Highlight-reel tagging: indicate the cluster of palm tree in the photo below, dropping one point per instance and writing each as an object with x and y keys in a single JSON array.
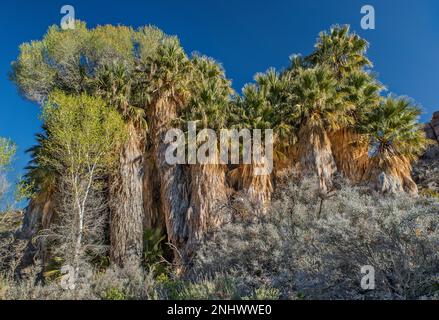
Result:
[
  {"x": 326, "y": 111},
  {"x": 328, "y": 115}
]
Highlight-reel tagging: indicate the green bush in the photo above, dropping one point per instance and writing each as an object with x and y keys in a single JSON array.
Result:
[
  {"x": 114, "y": 294},
  {"x": 264, "y": 293}
]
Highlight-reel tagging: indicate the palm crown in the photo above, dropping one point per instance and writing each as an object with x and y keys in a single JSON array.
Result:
[
  {"x": 394, "y": 129},
  {"x": 341, "y": 50},
  {"x": 210, "y": 94},
  {"x": 317, "y": 103}
]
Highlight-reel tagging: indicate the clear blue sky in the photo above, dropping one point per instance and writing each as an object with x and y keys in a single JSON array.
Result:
[{"x": 245, "y": 36}]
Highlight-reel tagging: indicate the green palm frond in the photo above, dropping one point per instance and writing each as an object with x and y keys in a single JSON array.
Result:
[
  {"x": 210, "y": 95},
  {"x": 317, "y": 101},
  {"x": 341, "y": 50},
  {"x": 394, "y": 129},
  {"x": 40, "y": 177}
]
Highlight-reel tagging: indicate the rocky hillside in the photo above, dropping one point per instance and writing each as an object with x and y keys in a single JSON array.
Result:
[
  {"x": 426, "y": 170},
  {"x": 432, "y": 128}
]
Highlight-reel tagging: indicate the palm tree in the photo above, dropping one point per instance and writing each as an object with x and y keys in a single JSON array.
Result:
[
  {"x": 276, "y": 88},
  {"x": 116, "y": 78},
  {"x": 349, "y": 146},
  {"x": 208, "y": 107},
  {"x": 168, "y": 72},
  {"x": 262, "y": 106},
  {"x": 342, "y": 51},
  {"x": 41, "y": 178},
  {"x": 114, "y": 83},
  {"x": 318, "y": 109},
  {"x": 40, "y": 181},
  {"x": 396, "y": 140}
]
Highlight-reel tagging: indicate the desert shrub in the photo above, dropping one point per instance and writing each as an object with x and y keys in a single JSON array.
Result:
[
  {"x": 131, "y": 282},
  {"x": 220, "y": 286},
  {"x": 264, "y": 293},
  {"x": 28, "y": 288},
  {"x": 309, "y": 246},
  {"x": 313, "y": 246},
  {"x": 429, "y": 193},
  {"x": 114, "y": 294},
  {"x": 396, "y": 235},
  {"x": 11, "y": 248},
  {"x": 3, "y": 288},
  {"x": 215, "y": 287}
]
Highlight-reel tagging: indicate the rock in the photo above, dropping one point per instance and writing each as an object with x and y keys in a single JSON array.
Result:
[
  {"x": 388, "y": 184},
  {"x": 426, "y": 169},
  {"x": 431, "y": 153},
  {"x": 432, "y": 128}
]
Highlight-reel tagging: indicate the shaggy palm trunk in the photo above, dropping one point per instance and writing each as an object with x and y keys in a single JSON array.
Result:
[
  {"x": 173, "y": 180},
  {"x": 315, "y": 155},
  {"x": 126, "y": 204},
  {"x": 286, "y": 166},
  {"x": 350, "y": 151},
  {"x": 255, "y": 180},
  {"x": 390, "y": 174},
  {"x": 208, "y": 196},
  {"x": 38, "y": 216},
  {"x": 258, "y": 188},
  {"x": 151, "y": 196}
]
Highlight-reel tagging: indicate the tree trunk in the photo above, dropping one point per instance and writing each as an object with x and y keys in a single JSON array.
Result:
[
  {"x": 257, "y": 188},
  {"x": 173, "y": 179},
  {"x": 390, "y": 174},
  {"x": 315, "y": 155},
  {"x": 350, "y": 151},
  {"x": 208, "y": 196},
  {"x": 38, "y": 216},
  {"x": 126, "y": 204},
  {"x": 151, "y": 196},
  {"x": 255, "y": 180}
]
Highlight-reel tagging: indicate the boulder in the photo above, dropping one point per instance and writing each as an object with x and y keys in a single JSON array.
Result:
[
  {"x": 426, "y": 170},
  {"x": 432, "y": 128}
]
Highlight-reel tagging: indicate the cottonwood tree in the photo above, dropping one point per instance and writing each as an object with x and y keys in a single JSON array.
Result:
[{"x": 83, "y": 133}]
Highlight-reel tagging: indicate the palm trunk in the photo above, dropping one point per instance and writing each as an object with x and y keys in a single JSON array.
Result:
[
  {"x": 38, "y": 216},
  {"x": 173, "y": 179},
  {"x": 315, "y": 155},
  {"x": 255, "y": 180},
  {"x": 208, "y": 195},
  {"x": 257, "y": 188},
  {"x": 126, "y": 204},
  {"x": 390, "y": 174},
  {"x": 350, "y": 151},
  {"x": 151, "y": 196}
]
